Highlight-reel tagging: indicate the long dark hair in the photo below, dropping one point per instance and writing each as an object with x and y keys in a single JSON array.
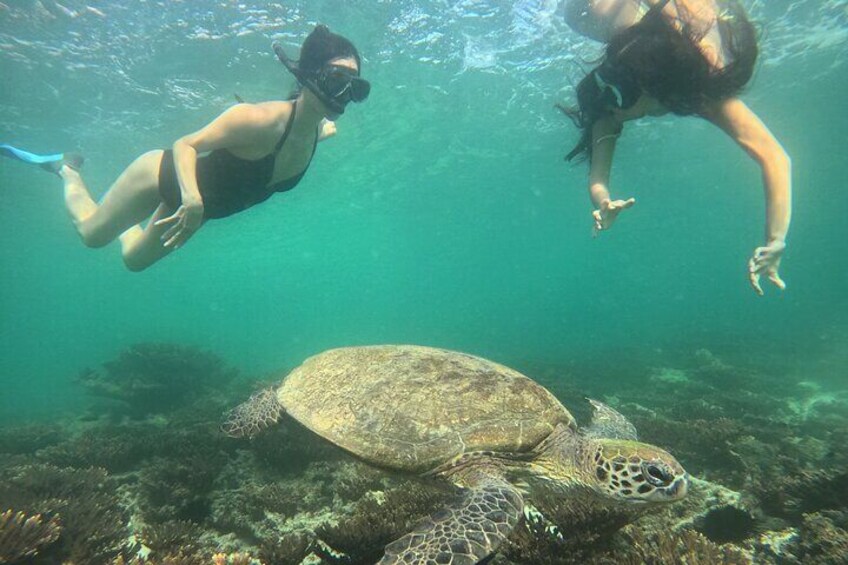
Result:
[
  {"x": 667, "y": 64},
  {"x": 320, "y": 47}
]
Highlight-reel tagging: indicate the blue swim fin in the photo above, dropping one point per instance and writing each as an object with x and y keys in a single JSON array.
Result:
[{"x": 50, "y": 163}]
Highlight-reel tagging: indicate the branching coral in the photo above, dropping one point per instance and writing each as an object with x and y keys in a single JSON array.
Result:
[
  {"x": 28, "y": 439},
  {"x": 585, "y": 524},
  {"x": 178, "y": 489},
  {"x": 634, "y": 546},
  {"x": 686, "y": 548},
  {"x": 178, "y": 558},
  {"x": 702, "y": 445},
  {"x": 152, "y": 378},
  {"x": 374, "y": 523},
  {"x": 171, "y": 537},
  {"x": 822, "y": 540},
  {"x": 290, "y": 549},
  {"x": 261, "y": 506},
  {"x": 116, "y": 449},
  {"x": 94, "y": 524},
  {"x": 23, "y": 536},
  {"x": 183, "y": 558},
  {"x": 789, "y": 495}
]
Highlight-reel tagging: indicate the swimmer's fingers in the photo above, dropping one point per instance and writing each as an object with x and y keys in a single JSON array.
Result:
[
  {"x": 179, "y": 239},
  {"x": 171, "y": 241},
  {"x": 764, "y": 263},
  {"x": 775, "y": 279},
  {"x": 175, "y": 217},
  {"x": 624, "y": 204},
  {"x": 754, "y": 278},
  {"x": 599, "y": 225},
  {"x": 173, "y": 232},
  {"x": 177, "y": 235},
  {"x": 761, "y": 256}
]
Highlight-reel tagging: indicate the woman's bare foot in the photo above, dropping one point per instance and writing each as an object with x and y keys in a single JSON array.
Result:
[{"x": 72, "y": 161}]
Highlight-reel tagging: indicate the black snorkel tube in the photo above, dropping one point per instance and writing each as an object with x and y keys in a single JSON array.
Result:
[{"x": 307, "y": 81}]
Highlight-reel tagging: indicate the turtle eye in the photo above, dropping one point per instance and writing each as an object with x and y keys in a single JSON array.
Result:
[{"x": 657, "y": 474}]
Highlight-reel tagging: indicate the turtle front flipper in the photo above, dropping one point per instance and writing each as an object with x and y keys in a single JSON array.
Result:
[
  {"x": 254, "y": 415},
  {"x": 609, "y": 423},
  {"x": 466, "y": 532}
]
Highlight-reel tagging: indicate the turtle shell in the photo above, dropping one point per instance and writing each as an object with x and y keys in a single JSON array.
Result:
[{"x": 414, "y": 408}]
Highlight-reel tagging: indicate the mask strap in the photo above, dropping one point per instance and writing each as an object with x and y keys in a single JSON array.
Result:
[
  {"x": 603, "y": 85},
  {"x": 305, "y": 80}
]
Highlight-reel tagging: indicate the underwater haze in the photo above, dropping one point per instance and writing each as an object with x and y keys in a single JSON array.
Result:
[{"x": 442, "y": 214}]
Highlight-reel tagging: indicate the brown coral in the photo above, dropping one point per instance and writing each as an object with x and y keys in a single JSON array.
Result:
[
  {"x": 362, "y": 536},
  {"x": 687, "y": 547},
  {"x": 23, "y": 536},
  {"x": 290, "y": 549},
  {"x": 29, "y": 439},
  {"x": 94, "y": 524},
  {"x": 171, "y": 536},
  {"x": 789, "y": 495},
  {"x": 150, "y": 378},
  {"x": 822, "y": 541}
]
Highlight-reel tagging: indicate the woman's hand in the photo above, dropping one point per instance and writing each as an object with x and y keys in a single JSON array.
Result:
[
  {"x": 766, "y": 261},
  {"x": 184, "y": 222},
  {"x": 328, "y": 129},
  {"x": 608, "y": 212}
]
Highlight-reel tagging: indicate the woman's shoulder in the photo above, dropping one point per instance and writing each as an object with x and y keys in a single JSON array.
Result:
[
  {"x": 274, "y": 109},
  {"x": 261, "y": 114}
]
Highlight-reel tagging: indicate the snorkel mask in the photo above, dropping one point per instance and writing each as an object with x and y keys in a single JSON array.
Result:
[{"x": 333, "y": 85}]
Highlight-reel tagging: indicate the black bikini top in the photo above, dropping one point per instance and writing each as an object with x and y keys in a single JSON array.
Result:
[
  {"x": 289, "y": 183},
  {"x": 230, "y": 184}
]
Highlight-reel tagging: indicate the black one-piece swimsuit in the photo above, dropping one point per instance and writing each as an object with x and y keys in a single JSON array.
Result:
[{"x": 229, "y": 184}]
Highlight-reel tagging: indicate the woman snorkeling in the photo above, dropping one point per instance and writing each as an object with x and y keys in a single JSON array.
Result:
[
  {"x": 689, "y": 57},
  {"x": 252, "y": 151}
]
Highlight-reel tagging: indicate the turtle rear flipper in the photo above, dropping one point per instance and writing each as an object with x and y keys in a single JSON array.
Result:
[
  {"x": 464, "y": 533},
  {"x": 254, "y": 415}
]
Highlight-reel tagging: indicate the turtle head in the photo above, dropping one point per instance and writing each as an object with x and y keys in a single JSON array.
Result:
[{"x": 631, "y": 471}]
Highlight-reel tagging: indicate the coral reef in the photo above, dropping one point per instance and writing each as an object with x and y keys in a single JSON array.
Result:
[
  {"x": 290, "y": 549},
  {"x": 377, "y": 521},
  {"x": 181, "y": 558},
  {"x": 116, "y": 449},
  {"x": 153, "y": 472},
  {"x": 823, "y": 539},
  {"x": 633, "y": 546},
  {"x": 154, "y": 378},
  {"x": 94, "y": 524},
  {"x": 790, "y": 495},
  {"x": 687, "y": 547},
  {"x": 177, "y": 489},
  {"x": 172, "y": 536},
  {"x": 29, "y": 439},
  {"x": 23, "y": 536}
]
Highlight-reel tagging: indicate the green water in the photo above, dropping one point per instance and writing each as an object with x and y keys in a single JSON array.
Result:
[{"x": 442, "y": 214}]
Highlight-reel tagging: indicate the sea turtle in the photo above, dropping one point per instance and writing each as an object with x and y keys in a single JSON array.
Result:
[{"x": 493, "y": 432}]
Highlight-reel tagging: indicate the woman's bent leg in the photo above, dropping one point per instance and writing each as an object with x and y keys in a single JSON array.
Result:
[{"x": 131, "y": 199}]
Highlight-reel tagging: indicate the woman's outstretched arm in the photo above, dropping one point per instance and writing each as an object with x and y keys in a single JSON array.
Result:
[
  {"x": 604, "y": 133},
  {"x": 743, "y": 125}
]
